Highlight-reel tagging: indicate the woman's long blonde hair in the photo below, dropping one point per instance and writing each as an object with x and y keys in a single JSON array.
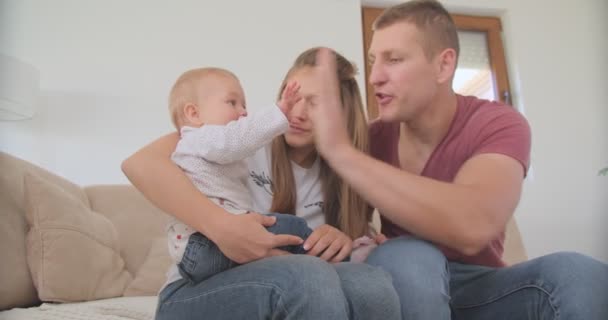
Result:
[{"x": 342, "y": 206}]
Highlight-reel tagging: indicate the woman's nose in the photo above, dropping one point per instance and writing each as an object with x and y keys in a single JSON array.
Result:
[{"x": 299, "y": 110}]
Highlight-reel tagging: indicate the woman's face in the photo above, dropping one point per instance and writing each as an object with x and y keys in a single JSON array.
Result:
[{"x": 299, "y": 135}]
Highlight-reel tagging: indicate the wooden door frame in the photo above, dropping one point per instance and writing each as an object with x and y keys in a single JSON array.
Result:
[
  {"x": 491, "y": 26},
  {"x": 498, "y": 65}
]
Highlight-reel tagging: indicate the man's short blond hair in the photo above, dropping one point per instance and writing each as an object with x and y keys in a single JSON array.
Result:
[
  {"x": 187, "y": 89},
  {"x": 430, "y": 17}
]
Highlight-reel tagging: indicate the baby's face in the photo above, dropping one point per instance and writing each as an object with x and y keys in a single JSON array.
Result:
[{"x": 223, "y": 100}]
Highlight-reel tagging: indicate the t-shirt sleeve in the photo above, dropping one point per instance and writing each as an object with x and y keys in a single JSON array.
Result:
[{"x": 504, "y": 131}]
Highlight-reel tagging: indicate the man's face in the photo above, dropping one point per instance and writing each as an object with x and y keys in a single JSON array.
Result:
[{"x": 403, "y": 78}]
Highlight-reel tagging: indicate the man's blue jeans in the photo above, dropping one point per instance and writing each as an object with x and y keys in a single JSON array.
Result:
[
  {"x": 557, "y": 286},
  {"x": 203, "y": 258},
  {"x": 284, "y": 287}
]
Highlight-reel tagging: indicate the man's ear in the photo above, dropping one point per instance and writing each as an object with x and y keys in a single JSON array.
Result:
[{"x": 446, "y": 63}]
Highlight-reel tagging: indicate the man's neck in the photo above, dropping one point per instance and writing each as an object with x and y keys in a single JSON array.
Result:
[
  {"x": 430, "y": 127},
  {"x": 419, "y": 137}
]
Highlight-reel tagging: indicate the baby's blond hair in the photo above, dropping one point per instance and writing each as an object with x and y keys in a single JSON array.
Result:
[{"x": 187, "y": 89}]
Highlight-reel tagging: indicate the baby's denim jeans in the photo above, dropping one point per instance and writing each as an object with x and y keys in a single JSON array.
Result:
[{"x": 203, "y": 259}]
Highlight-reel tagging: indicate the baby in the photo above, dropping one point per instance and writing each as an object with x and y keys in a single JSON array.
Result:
[{"x": 207, "y": 106}]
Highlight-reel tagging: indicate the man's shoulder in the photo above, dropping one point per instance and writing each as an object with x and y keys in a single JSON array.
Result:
[
  {"x": 483, "y": 125},
  {"x": 480, "y": 113},
  {"x": 478, "y": 106}
]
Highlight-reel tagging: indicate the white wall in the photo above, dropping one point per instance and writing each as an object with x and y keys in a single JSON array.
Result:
[
  {"x": 556, "y": 54},
  {"x": 106, "y": 67}
]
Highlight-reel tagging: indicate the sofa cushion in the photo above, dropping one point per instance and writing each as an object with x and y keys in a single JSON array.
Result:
[
  {"x": 16, "y": 286},
  {"x": 72, "y": 251},
  {"x": 137, "y": 221},
  {"x": 122, "y": 308},
  {"x": 152, "y": 274}
]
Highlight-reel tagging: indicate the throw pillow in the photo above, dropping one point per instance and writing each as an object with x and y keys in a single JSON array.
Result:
[
  {"x": 72, "y": 251},
  {"x": 152, "y": 274}
]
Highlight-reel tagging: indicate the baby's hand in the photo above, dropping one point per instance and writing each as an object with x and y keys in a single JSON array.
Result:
[
  {"x": 380, "y": 238},
  {"x": 289, "y": 97}
]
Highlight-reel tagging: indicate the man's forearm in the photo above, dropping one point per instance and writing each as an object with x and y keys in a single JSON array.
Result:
[{"x": 449, "y": 214}]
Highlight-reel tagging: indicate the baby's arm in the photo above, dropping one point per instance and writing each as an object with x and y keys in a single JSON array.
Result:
[
  {"x": 234, "y": 141},
  {"x": 239, "y": 139}
]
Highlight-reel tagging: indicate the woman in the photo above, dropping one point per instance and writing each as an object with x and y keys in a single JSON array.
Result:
[{"x": 286, "y": 177}]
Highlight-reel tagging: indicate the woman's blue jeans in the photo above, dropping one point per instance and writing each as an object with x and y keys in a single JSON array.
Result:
[
  {"x": 557, "y": 286},
  {"x": 284, "y": 287}
]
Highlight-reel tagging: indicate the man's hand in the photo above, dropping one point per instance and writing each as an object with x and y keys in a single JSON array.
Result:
[
  {"x": 244, "y": 238},
  {"x": 289, "y": 97},
  {"x": 329, "y": 243},
  {"x": 327, "y": 116}
]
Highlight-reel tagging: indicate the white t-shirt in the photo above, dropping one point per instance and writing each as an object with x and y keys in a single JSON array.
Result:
[{"x": 309, "y": 194}]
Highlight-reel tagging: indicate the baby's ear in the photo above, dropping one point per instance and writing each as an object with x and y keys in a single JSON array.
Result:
[
  {"x": 191, "y": 112},
  {"x": 190, "y": 109}
]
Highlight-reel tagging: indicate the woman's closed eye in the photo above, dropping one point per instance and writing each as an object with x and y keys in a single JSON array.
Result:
[
  {"x": 232, "y": 102},
  {"x": 312, "y": 100}
]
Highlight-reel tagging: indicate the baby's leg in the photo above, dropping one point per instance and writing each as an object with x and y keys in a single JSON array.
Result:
[
  {"x": 290, "y": 224},
  {"x": 202, "y": 259}
]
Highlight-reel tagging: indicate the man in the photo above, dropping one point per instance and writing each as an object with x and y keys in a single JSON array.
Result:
[{"x": 446, "y": 178}]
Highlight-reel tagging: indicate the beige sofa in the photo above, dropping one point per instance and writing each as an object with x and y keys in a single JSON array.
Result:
[
  {"x": 61, "y": 242},
  {"x": 78, "y": 244}
]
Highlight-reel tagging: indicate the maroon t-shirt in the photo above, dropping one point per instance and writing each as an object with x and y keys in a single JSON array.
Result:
[{"x": 479, "y": 126}]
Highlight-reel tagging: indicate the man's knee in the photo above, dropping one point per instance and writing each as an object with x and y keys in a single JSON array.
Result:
[
  {"x": 577, "y": 282},
  {"x": 405, "y": 253},
  {"x": 565, "y": 267},
  {"x": 419, "y": 272},
  {"x": 417, "y": 267}
]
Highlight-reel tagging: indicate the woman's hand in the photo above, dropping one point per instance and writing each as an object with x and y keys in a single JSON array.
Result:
[
  {"x": 243, "y": 238},
  {"x": 329, "y": 244}
]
